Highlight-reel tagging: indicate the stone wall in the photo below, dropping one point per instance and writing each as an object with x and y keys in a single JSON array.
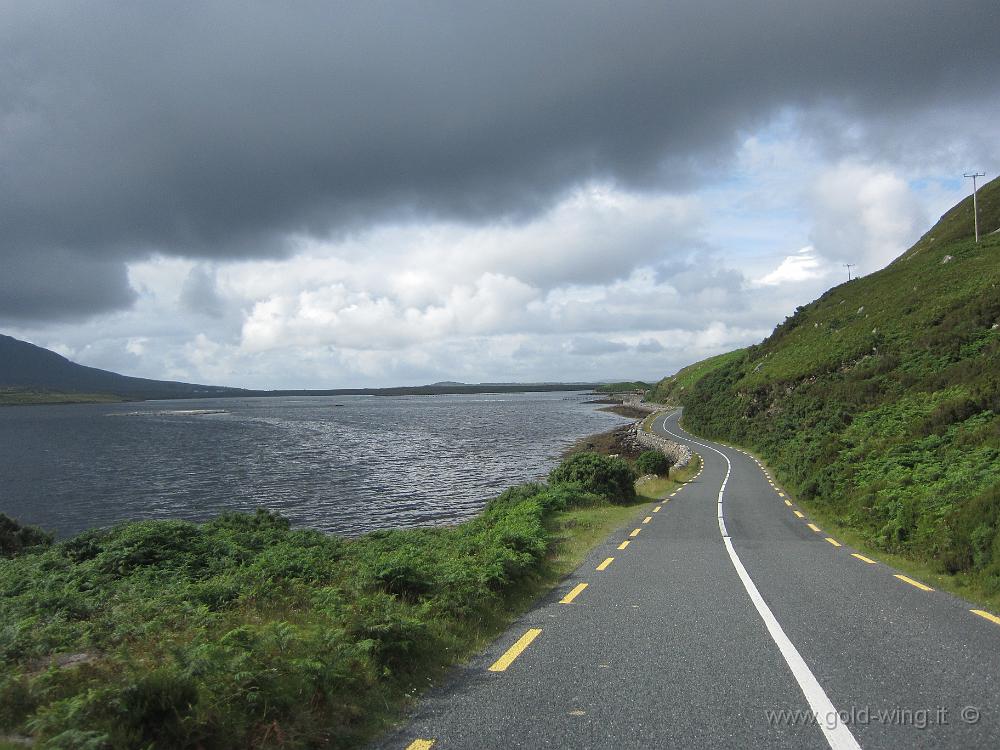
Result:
[{"x": 679, "y": 455}]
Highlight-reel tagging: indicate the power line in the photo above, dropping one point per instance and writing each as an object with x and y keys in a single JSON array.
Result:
[
  {"x": 849, "y": 266},
  {"x": 975, "y": 208}
]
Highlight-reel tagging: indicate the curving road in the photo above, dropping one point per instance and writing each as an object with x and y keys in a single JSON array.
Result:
[{"x": 725, "y": 618}]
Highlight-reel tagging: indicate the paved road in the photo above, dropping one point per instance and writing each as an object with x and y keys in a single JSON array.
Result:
[{"x": 755, "y": 630}]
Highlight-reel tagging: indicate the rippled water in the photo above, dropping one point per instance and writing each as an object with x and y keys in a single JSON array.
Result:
[{"x": 345, "y": 464}]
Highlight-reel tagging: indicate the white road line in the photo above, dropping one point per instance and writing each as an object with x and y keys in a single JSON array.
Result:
[{"x": 838, "y": 735}]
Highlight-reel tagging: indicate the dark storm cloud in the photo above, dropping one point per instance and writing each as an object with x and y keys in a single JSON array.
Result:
[
  {"x": 200, "y": 295},
  {"x": 218, "y": 129},
  {"x": 59, "y": 285}
]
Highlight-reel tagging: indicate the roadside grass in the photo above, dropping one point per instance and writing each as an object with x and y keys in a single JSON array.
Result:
[
  {"x": 878, "y": 405},
  {"x": 243, "y": 632},
  {"x": 647, "y": 423},
  {"x": 576, "y": 533},
  {"x": 958, "y": 584},
  {"x": 657, "y": 488}
]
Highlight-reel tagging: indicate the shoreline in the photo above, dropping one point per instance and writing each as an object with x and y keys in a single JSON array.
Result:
[
  {"x": 608, "y": 443},
  {"x": 397, "y": 628}
]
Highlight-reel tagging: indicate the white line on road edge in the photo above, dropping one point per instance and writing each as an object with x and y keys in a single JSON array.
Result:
[{"x": 827, "y": 717}]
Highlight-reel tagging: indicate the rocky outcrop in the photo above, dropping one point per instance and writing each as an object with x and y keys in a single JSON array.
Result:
[{"x": 636, "y": 402}]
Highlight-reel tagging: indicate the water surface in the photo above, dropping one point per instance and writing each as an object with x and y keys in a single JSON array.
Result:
[{"x": 346, "y": 464}]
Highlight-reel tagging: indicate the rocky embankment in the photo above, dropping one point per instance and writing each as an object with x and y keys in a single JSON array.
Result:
[
  {"x": 631, "y": 440},
  {"x": 639, "y": 440}
]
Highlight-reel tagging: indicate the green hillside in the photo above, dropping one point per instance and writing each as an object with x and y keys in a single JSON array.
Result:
[
  {"x": 623, "y": 387},
  {"x": 879, "y": 403},
  {"x": 673, "y": 388}
]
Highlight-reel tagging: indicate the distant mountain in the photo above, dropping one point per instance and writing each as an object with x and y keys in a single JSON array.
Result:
[{"x": 24, "y": 365}]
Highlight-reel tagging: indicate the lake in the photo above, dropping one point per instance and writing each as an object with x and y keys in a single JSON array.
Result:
[{"x": 344, "y": 464}]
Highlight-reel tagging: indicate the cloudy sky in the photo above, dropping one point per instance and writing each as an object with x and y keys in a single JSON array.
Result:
[{"x": 339, "y": 194}]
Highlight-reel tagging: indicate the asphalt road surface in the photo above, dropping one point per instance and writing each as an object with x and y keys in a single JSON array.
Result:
[{"x": 728, "y": 619}]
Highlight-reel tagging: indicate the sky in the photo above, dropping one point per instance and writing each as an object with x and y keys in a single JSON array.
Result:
[{"x": 323, "y": 195}]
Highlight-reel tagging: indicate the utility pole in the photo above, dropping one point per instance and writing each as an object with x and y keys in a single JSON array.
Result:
[
  {"x": 975, "y": 208},
  {"x": 849, "y": 266}
]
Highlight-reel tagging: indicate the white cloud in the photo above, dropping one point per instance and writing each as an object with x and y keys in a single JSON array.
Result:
[
  {"x": 607, "y": 284},
  {"x": 137, "y": 345},
  {"x": 802, "y": 266},
  {"x": 864, "y": 214}
]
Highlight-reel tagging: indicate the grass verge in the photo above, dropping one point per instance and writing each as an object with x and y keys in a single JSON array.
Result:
[
  {"x": 956, "y": 584},
  {"x": 243, "y": 632},
  {"x": 657, "y": 488},
  {"x": 929, "y": 573}
]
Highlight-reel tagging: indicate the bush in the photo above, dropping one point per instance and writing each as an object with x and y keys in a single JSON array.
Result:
[
  {"x": 602, "y": 475},
  {"x": 559, "y": 497},
  {"x": 243, "y": 632},
  {"x": 652, "y": 462},
  {"x": 15, "y": 538}
]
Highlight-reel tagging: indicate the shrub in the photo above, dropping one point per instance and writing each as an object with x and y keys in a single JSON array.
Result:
[
  {"x": 558, "y": 497},
  {"x": 15, "y": 538},
  {"x": 652, "y": 462},
  {"x": 243, "y": 632},
  {"x": 602, "y": 475}
]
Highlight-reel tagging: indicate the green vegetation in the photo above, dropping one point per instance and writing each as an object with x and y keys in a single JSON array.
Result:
[
  {"x": 27, "y": 397},
  {"x": 672, "y": 389},
  {"x": 878, "y": 404},
  {"x": 624, "y": 387},
  {"x": 16, "y": 538},
  {"x": 243, "y": 632},
  {"x": 610, "y": 477},
  {"x": 652, "y": 462},
  {"x": 658, "y": 487}
]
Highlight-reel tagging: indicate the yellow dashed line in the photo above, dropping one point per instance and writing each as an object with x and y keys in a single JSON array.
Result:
[
  {"x": 657, "y": 508},
  {"x": 635, "y": 533},
  {"x": 781, "y": 494},
  {"x": 624, "y": 544},
  {"x": 606, "y": 563},
  {"x": 799, "y": 513},
  {"x": 833, "y": 541},
  {"x": 987, "y": 615},
  {"x": 515, "y": 651},
  {"x": 573, "y": 594},
  {"x": 862, "y": 558},
  {"x": 918, "y": 584},
  {"x": 647, "y": 519},
  {"x": 420, "y": 745},
  {"x": 813, "y": 526},
  {"x": 788, "y": 503}
]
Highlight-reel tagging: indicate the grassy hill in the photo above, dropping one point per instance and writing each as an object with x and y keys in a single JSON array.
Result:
[
  {"x": 623, "y": 387},
  {"x": 27, "y": 368},
  {"x": 673, "y": 388},
  {"x": 879, "y": 403}
]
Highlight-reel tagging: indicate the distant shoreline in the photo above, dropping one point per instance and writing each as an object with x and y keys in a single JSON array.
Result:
[{"x": 17, "y": 396}]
